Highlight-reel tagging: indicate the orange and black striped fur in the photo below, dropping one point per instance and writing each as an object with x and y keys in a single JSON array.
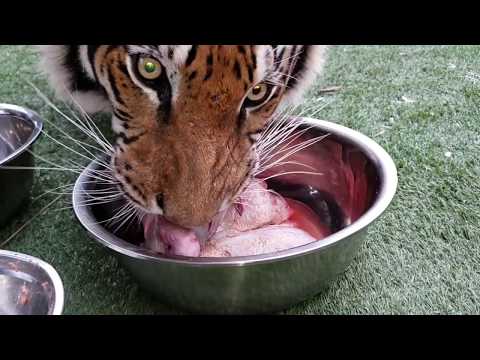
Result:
[{"x": 186, "y": 131}]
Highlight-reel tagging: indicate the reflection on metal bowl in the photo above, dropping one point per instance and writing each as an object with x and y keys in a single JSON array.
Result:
[
  {"x": 28, "y": 286},
  {"x": 19, "y": 129}
]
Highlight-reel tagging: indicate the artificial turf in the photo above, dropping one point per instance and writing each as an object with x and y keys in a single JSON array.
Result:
[{"x": 421, "y": 103}]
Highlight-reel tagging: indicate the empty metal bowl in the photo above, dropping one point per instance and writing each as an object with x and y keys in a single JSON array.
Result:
[
  {"x": 251, "y": 284},
  {"x": 19, "y": 129},
  {"x": 28, "y": 286}
]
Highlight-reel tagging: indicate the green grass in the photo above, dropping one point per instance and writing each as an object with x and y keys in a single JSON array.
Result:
[{"x": 422, "y": 257}]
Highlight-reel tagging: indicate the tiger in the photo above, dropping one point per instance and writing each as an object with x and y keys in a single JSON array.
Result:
[{"x": 186, "y": 118}]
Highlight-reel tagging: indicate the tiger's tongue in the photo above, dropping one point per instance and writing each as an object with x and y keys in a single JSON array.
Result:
[{"x": 164, "y": 237}]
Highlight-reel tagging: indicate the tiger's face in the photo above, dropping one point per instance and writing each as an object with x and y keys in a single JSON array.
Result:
[{"x": 187, "y": 118}]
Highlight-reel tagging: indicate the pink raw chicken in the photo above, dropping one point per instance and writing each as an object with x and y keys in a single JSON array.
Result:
[
  {"x": 262, "y": 225},
  {"x": 259, "y": 225},
  {"x": 257, "y": 207},
  {"x": 265, "y": 240}
]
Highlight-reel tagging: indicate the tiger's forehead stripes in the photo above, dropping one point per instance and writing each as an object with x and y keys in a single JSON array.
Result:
[
  {"x": 215, "y": 79},
  {"x": 171, "y": 56},
  {"x": 246, "y": 61}
]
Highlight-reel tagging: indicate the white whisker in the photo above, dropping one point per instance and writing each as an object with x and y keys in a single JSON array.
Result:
[
  {"x": 292, "y": 173},
  {"x": 94, "y": 129},
  {"x": 107, "y": 147}
]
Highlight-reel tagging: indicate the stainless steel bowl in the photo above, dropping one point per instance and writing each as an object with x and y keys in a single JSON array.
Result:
[
  {"x": 19, "y": 129},
  {"x": 28, "y": 286},
  {"x": 252, "y": 284}
]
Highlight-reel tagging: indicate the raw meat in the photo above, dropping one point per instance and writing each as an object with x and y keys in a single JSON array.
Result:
[
  {"x": 263, "y": 222},
  {"x": 257, "y": 207},
  {"x": 265, "y": 240}
]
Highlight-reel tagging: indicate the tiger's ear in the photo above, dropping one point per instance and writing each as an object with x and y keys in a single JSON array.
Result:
[
  {"x": 301, "y": 64},
  {"x": 70, "y": 74}
]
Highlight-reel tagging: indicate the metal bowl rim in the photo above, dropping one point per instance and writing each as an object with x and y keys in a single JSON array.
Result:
[
  {"x": 15, "y": 110},
  {"x": 53, "y": 275},
  {"x": 387, "y": 172}
]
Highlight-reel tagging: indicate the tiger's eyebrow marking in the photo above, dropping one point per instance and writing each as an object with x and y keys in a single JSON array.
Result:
[
  {"x": 254, "y": 56},
  {"x": 237, "y": 70},
  {"x": 209, "y": 67},
  {"x": 191, "y": 55},
  {"x": 250, "y": 73}
]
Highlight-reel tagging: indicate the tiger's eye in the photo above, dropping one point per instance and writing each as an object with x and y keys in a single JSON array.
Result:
[
  {"x": 256, "y": 90},
  {"x": 149, "y": 68},
  {"x": 258, "y": 93}
]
